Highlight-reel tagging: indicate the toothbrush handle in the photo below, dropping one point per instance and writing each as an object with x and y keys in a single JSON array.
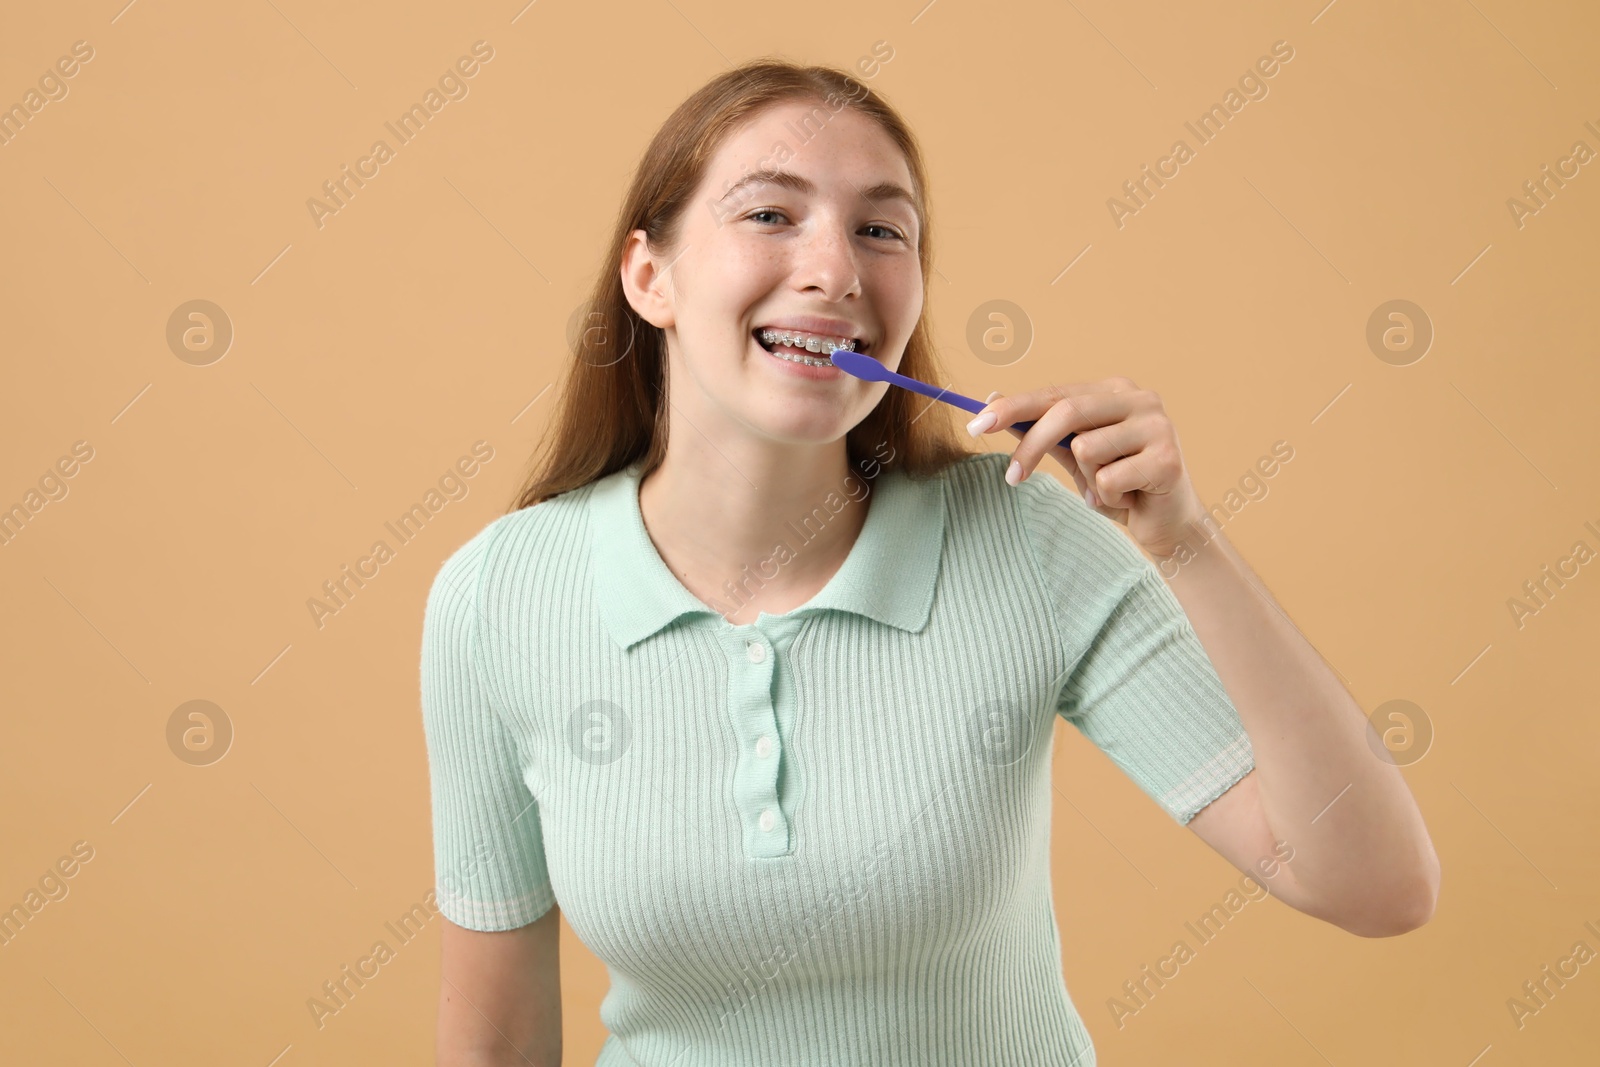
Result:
[
  {"x": 1065, "y": 442},
  {"x": 965, "y": 403}
]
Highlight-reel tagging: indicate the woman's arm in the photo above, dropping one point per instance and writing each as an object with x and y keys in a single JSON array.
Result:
[
  {"x": 1363, "y": 859},
  {"x": 500, "y": 997}
]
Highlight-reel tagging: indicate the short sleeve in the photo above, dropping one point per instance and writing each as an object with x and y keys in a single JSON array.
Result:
[
  {"x": 488, "y": 845},
  {"x": 1140, "y": 685}
]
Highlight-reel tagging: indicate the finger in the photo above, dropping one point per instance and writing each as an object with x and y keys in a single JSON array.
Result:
[
  {"x": 1120, "y": 459},
  {"x": 1063, "y": 456},
  {"x": 1090, "y": 464},
  {"x": 1137, "y": 473},
  {"x": 1023, "y": 407},
  {"x": 1069, "y": 461},
  {"x": 1075, "y": 414}
]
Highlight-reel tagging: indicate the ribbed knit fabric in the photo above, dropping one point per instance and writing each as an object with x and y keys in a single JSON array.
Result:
[{"x": 821, "y": 837}]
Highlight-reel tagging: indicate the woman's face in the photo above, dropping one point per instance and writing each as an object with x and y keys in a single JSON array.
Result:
[{"x": 829, "y": 239}]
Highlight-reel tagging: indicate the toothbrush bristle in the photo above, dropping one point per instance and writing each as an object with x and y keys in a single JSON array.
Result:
[{"x": 858, "y": 365}]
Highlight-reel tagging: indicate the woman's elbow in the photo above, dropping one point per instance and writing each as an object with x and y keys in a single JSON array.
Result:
[{"x": 1403, "y": 909}]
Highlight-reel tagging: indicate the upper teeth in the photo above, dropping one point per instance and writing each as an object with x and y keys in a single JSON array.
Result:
[{"x": 811, "y": 342}]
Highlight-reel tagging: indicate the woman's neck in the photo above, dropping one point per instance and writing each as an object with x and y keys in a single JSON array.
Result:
[{"x": 749, "y": 533}]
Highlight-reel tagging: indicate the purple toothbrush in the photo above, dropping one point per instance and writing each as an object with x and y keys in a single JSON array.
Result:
[{"x": 868, "y": 369}]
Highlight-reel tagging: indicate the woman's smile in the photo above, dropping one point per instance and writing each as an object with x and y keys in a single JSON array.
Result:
[
  {"x": 807, "y": 345},
  {"x": 796, "y": 363}
]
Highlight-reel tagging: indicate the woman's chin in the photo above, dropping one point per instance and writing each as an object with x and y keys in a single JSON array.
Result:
[{"x": 789, "y": 427}]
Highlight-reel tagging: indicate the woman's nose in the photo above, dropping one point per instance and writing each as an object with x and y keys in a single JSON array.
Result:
[{"x": 827, "y": 261}]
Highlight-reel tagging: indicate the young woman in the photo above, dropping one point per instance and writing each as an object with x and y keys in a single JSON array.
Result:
[{"x": 757, "y": 679}]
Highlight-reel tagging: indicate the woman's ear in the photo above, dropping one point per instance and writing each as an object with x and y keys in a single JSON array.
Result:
[{"x": 648, "y": 289}]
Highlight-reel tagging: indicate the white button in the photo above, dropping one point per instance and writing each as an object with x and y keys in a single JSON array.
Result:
[
  {"x": 766, "y": 819},
  {"x": 764, "y": 747},
  {"x": 757, "y": 651}
]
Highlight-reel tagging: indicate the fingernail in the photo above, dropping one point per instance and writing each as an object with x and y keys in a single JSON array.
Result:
[
  {"x": 990, "y": 398},
  {"x": 1014, "y": 473},
  {"x": 1090, "y": 499},
  {"x": 981, "y": 423}
]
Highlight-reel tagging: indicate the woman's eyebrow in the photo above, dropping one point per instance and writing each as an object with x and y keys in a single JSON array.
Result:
[{"x": 790, "y": 180}]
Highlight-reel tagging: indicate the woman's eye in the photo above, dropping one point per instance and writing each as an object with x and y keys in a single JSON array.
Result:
[{"x": 756, "y": 216}]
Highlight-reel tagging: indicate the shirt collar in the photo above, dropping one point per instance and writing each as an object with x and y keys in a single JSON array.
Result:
[{"x": 889, "y": 575}]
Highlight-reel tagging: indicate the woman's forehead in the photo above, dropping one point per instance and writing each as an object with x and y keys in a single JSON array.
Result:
[
  {"x": 850, "y": 153},
  {"x": 803, "y": 137}
]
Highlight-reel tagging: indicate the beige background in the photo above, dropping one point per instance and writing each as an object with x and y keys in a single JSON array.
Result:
[{"x": 427, "y": 314}]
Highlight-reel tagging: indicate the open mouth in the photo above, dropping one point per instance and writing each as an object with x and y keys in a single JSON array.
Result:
[{"x": 807, "y": 349}]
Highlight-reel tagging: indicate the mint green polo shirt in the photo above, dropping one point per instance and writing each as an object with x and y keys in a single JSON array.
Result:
[{"x": 820, "y": 837}]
